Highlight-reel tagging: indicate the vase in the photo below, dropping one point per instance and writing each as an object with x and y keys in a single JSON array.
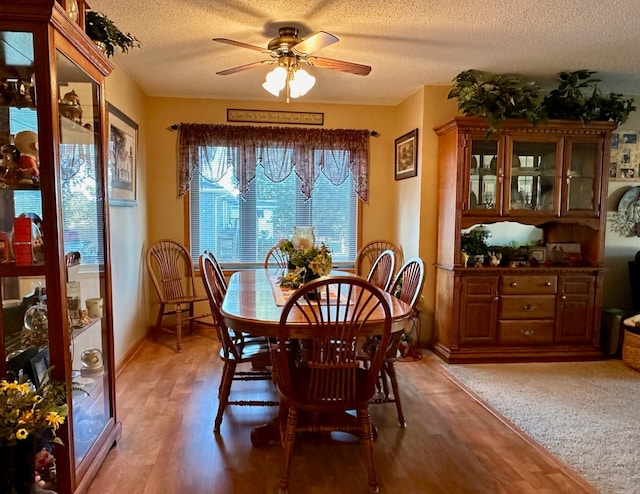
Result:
[
  {"x": 303, "y": 237},
  {"x": 17, "y": 467},
  {"x": 307, "y": 276}
]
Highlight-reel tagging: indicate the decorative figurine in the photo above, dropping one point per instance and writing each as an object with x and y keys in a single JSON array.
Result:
[
  {"x": 27, "y": 171},
  {"x": 70, "y": 107},
  {"x": 10, "y": 155}
]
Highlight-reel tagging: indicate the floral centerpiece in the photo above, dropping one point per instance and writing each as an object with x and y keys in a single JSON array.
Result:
[
  {"x": 306, "y": 263},
  {"x": 28, "y": 412}
]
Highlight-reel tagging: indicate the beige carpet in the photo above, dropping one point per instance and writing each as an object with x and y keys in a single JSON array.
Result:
[{"x": 585, "y": 413}]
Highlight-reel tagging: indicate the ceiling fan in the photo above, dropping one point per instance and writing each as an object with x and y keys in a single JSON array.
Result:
[{"x": 289, "y": 51}]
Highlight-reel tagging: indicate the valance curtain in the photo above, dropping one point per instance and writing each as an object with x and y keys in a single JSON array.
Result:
[{"x": 212, "y": 150}]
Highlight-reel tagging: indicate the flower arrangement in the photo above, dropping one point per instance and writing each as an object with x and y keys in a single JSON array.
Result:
[
  {"x": 307, "y": 263},
  {"x": 25, "y": 411}
]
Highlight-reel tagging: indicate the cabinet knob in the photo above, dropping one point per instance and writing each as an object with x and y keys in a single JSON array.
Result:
[
  {"x": 529, "y": 307},
  {"x": 527, "y": 332},
  {"x": 563, "y": 297},
  {"x": 548, "y": 283},
  {"x": 513, "y": 284}
]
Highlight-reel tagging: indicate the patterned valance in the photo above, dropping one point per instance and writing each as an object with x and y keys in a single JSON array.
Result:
[{"x": 212, "y": 150}]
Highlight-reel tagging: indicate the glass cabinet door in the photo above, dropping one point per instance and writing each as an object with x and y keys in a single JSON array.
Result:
[
  {"x": 81, "y": 184},
  {"x": 581, "y": 181},
  {"x": 532, "y": 176},
  {"x": 24, "y": 322},
  {"x": 483, "y": 194}
]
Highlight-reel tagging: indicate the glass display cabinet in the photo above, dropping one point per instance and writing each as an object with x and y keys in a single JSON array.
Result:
[
  {"x": 55, "y": 283},
  {"x": 547, "y": 304}
]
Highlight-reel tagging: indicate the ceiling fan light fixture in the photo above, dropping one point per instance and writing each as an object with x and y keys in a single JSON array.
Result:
[
  {"x": 300, "y": 84},
  {"x": 275, "y": 81}
]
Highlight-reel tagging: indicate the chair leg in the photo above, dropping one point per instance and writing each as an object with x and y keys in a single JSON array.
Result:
[
  {"x": 390, "y": 369},
  {"x": 287, "y": 444},
  {"x": 225, "y": 389},
  {"x": 367, "y": 442},
  {"x": 158, "y": 326},
  {"x": 179, "y": 327},
  {"x": 191, "y": 318}
]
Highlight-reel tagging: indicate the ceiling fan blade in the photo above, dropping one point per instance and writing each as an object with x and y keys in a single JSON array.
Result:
[
  {"x": 240, "y": 44},
  {"x": 330, "y": 63},
  {"x": 248, "y": 66},
  {"x": 314, "y": 43}
]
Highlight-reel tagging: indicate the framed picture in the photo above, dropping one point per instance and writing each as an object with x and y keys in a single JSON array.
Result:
[
  {"x": 624, "y": 163},
  {"x": 406, "y": 157},
  {"x": 39, "y": 365},
  {"x": 123, "y": 158},
  {"x": 538, "y": 253}
]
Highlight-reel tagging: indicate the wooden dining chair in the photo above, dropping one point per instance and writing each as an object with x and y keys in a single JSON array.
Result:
[
  {"x": 367, "y": 255},
  {"x": 234, "y": 351},
  {"x": 407, "y": 286},
  {"x": 275, "y": 258},
  {"x": 382, "y": 270},
  {"x": 171, "y": 272},
  {"x": 335, "y": 311},
  {"x": 218, "y": 269}
]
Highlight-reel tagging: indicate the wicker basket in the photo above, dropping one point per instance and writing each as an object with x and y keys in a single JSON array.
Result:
[{"x": 631, "y": 344}]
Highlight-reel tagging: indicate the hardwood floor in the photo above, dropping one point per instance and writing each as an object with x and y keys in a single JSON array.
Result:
[{"x": 452, "y": 444}]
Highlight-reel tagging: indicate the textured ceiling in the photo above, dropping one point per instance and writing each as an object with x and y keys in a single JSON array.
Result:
[{"x": 408, "y": 44}]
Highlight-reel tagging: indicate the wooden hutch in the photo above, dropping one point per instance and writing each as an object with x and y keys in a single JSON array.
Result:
[
  {"x": 550, "y": 176},
  {"x": 56, "y": 255}
]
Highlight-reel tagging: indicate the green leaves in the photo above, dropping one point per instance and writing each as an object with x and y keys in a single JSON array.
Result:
[
  {"x": 500, "y": 97},
  {"x": 495, "y": 98}
]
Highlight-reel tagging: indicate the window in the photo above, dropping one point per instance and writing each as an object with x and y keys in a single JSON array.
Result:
[{"x": 240, "y": 231}]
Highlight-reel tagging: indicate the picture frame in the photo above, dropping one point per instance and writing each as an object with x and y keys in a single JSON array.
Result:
[
  {"x": 123, "y": 158},
  {"x": 624, "y": 163},
  {"x": 406, "y": 155},
  {"x": 39, "y": 366},
  {"x": 538, "y": 253}
]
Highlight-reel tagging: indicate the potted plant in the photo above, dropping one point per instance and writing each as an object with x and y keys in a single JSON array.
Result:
[
  {"x": 495, "y": 97},
  {"x": 106, "y": 34},
  {"x": 500, "y": 97},
  {"x": 578, "y": 97}
]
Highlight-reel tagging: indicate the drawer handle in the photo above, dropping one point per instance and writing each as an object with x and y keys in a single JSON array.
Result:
[
  {"x": 529, "y": 307},
  {"x": 513, "y": 284},
  {"x": 527, "y": 332},
  {"x": 548, "y": 283}
]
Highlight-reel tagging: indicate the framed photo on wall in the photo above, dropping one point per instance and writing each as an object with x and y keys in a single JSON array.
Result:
[
  {"x": 406, "y": 155},
  {"x": 123, "y": 158}
]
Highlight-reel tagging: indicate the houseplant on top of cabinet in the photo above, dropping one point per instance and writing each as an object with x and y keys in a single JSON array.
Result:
[
  {"x": 494, "y": 97},
  {"x": 106, "y": 34},
  {"x": 500, "y": 97}
]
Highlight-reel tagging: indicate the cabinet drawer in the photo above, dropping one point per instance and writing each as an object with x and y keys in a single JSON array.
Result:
[
  {"x": 525, "y": 332},
  {"x": 521, "y": 285},
  {"x": 527, "y": 307}
]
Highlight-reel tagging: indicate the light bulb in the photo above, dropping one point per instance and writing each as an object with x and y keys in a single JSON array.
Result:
[
  {"x": 301, "y": 83},
  {"x": 275, "y": 80}
]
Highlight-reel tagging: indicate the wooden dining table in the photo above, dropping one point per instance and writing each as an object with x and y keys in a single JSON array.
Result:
[{"x": 250, "y": 306}]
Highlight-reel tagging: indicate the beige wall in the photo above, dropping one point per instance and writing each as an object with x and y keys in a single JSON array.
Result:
[
  {"x": 129, "y": 229},
  {"x": 404, "y": 211},
  {"x": 166, "y": 214}
]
